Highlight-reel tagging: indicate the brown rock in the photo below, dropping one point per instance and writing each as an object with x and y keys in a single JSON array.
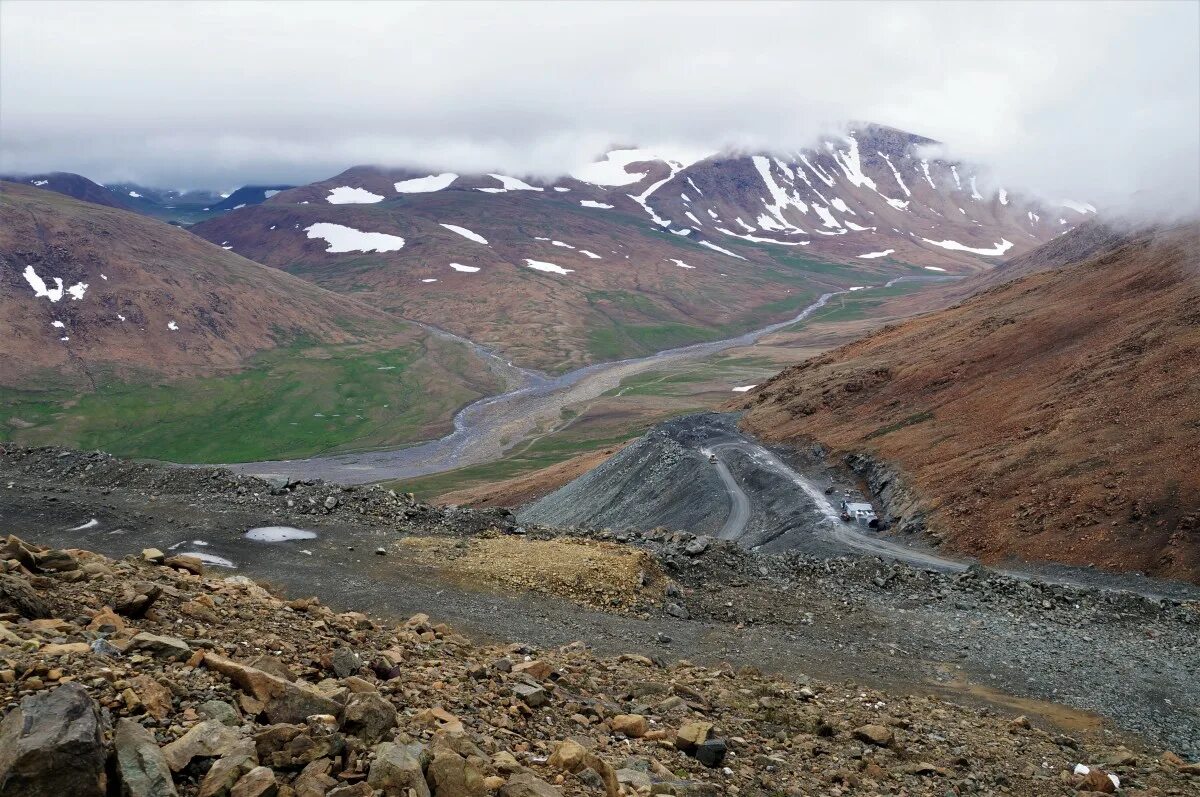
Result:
[
  {"x": 155, "y": 697},
  {"x": 272, "y": 666},
  {"x": 527, "y": 785},
  {"x": 55, "y": 561},
  {"x": 360, "y": 789},
  {"x": 437, "y": 717},
  {"x": 369, "y": 716},
  {"x": 282, "y": 700},
  {"x": 691, "y": 734},
  {"x": 106, "y": 621},
  {"x": 65, "y": 649},
  {"x": 208, "y": 739},
  {"x": 874, "y": 734},
  {"x": 314, "y": 780},
  {"x": 536, "y": 669},
  {"x": 634, "y": 726},
  {"x": 228, "y": 770},
  {"x": 453, "y": 775},
  {"x": 607, "y": 774},
  {"x": 258, "y": 782},
  {"x": 397, "y": 770},
  {"x": 1097, "y": 780},
  {"x": 568, "y": 756},
  {"x": 136, "y": 600},
  {"x": 184, "y": 562}
]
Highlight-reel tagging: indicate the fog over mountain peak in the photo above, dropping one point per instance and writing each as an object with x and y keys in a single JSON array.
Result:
[{"x": 539, "y": 90}]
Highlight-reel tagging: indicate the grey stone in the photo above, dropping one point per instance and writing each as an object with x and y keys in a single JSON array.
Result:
[
  {"x": 533, "y": 696},
  {"x": 167, "y": 647},
  {"x": 368, "y": 716},
  {"x": 711, "y": 752},
  {"x": 52, "y": 743},
  {"x": 398, "y": 770},
  {"x": 228, "y": 770},
  {"x": 675, "y": 610},
  {"x": 346, "y": 662},
  {"x": 141, "y": 767},
  {"x": 17, "y": 596},
  {"x": 221, "y": 711}
]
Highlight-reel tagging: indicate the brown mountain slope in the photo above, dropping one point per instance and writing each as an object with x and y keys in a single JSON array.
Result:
[
  {"x": 124, "y": 333},
  {"x": 1054, "y": 417},
  {"x": 154, "y": 298}
]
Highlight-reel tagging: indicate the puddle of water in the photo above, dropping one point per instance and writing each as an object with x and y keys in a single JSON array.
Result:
[
  {"x": 1065, "y": 717},
  {"x": 279, "y": 534},
  {"x": 91, "y": 524},
  {"x": 210, "y": 559}
]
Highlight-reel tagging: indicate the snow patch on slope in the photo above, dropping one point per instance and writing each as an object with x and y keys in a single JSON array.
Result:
[
  {"x": 345, "y": 195},
  {"x": 465, "y": 233},
  {"x": 347, "y": 239},
  {"x": 425, "y": 185},
  {"x": 716, "y": 248},
  {"x": 541, "y": 265},
  {"x": 995, "y": 251}
]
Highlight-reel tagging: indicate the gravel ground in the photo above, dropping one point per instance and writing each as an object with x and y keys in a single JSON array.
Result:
[{"x": 979, "y": 635}]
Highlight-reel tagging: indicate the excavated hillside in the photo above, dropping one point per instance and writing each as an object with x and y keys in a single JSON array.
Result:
[{"x": 1052, "y": 417}]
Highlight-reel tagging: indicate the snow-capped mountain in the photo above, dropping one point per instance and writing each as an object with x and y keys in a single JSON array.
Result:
[{"x": 639, "y": 250}]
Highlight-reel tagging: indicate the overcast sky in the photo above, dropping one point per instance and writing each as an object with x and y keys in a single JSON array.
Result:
[{"x": 1096, "y": 101}]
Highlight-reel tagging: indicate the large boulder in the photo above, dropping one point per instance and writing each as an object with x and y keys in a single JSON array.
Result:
[
  {"x": 228, "y": 770},
  {"x": 397, "y": 770},
  {"x": 455, "y": 770},
  {"x": 527, "y": 785},
  {"x": 141, "y": 767},
  {"x": 258, "y": 782},
  {"x": 208, "y": 739},
  {"x": 52, "y": 743},
  {"x": 369, "y": 716},
  {"x": 17, "y": 596},
  {"x": 163, "y": 647},
  {"x": 283, "y": 701}
]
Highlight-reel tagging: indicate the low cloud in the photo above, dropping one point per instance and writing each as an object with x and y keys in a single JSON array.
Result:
[{"x": 1099, "y": 106}]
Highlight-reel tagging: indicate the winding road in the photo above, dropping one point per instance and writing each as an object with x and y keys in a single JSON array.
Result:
[{"x": 833, "y": 528}]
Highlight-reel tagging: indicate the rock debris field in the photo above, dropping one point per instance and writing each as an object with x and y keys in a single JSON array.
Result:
[{"x": 703, "y": 669}]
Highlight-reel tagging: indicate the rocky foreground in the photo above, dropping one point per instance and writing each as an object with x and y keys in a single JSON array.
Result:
[{"x": 147, "y": 677}]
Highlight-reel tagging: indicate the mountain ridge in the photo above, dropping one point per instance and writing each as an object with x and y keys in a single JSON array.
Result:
[{"x": 1041, "y": 417}]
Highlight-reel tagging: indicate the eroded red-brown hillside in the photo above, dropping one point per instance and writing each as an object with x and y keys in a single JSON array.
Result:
[{"x": 1053, "y": 417}]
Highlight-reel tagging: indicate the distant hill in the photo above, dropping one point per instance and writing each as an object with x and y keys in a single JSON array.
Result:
[
  {"x": 180, "y": 207},
  {"x": 75, "y": 186},
  {"x": 249, "y": 195},
  {"x": 96, "y": 300},
  {"x": 1051, "y": 417}
]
